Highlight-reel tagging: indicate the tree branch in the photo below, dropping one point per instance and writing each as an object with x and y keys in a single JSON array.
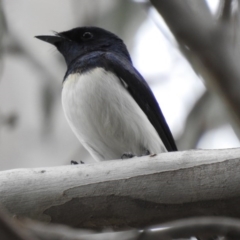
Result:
[
  {"x": 203, "y": 228},
  {"x": 45, "y": 231},
  {"x": 215, "y": 57},
  {"x": 130, "y": 193},
  {"x": 225, "y": 10},
  {"x": 10, "y": 231}
]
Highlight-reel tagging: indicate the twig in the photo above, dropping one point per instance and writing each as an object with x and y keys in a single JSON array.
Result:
[{"x": 203, "y": 227}]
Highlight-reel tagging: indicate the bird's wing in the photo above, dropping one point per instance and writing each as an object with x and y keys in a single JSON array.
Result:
[{"x": 142, "y": 94}]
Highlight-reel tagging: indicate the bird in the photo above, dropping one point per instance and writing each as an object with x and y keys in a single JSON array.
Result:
[{"x": 106, "y": 101}]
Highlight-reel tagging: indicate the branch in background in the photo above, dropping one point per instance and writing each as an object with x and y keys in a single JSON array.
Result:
[
  {"x": 49, "y": 88},
  {"x": 133, "y": 193},
  {"x": 207, "y": 113},
  {"x": 2, "y": 32},
  {"x": 10, "y": 231},
  {"x": 228, "y": 14},
  {"x": 203, "y": 228},
  {"x": 45, "y": 231},
  {"x": 225, "y": 10},
  {"x": 215, "y": 57}
]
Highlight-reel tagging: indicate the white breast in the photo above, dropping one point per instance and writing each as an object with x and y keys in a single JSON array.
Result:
[{"x": 105, "y": 118}]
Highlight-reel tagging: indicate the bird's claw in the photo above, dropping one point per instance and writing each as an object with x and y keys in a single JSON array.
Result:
[{"x": 127, "y": 155}]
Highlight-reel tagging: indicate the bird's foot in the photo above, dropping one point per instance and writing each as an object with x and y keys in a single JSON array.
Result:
[
  {"x": 127, "y": 155},
  {"x": 147, "y": 152},
  {"x": 75, "y": 162}
]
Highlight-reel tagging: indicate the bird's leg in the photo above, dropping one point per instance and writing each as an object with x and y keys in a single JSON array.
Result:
[
  {"x": 127, "y": 155},
  {"x": 146, "y": 152},
  {"x": 75, "y": 162}
]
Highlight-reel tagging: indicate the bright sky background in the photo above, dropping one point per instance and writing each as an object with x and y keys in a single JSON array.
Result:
[
  {"x": 176, "y": 87},
  {"x": 156, "y": 56}
]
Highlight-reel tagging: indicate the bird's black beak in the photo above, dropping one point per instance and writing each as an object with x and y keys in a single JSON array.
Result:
[{"x": 50, "y": 39}]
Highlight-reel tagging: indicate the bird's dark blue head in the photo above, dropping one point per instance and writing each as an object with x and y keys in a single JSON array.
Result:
[{"x": 83, "y": 40}]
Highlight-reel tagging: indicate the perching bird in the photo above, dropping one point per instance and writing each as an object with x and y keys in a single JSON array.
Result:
[{"x": 107, "y": 103}]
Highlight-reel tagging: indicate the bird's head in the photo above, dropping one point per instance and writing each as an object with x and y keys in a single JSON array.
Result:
[{"x": 83, "y": 40}]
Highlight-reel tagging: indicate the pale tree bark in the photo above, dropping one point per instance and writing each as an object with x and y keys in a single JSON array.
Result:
[{"x": 130, "y": 193}]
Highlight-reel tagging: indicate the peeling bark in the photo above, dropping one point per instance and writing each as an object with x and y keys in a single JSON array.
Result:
[{"x": 127, "y": 193}]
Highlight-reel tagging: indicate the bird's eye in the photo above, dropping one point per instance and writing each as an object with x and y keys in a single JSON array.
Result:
[{"x": 87, "y": 36}]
